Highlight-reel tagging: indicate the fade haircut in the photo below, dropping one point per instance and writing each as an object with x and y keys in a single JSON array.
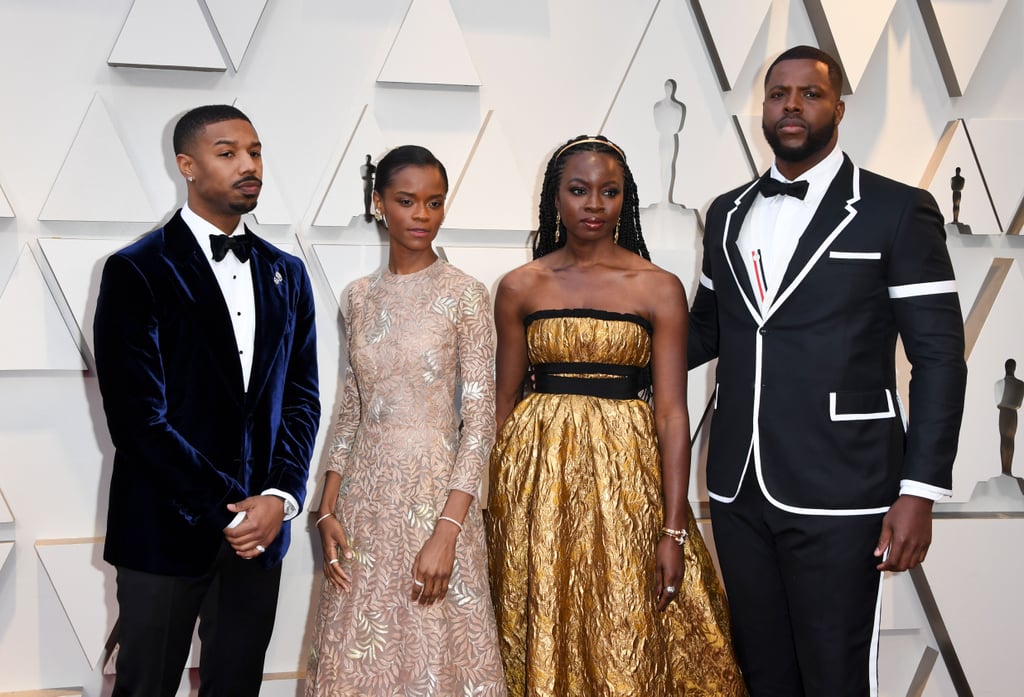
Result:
[
  {"x": 194, "y": 121},
  {"x": 835, "y": 71},
  {"x": 630, "y": 235}
]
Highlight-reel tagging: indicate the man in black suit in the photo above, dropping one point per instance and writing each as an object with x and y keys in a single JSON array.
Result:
[
  {"x": 817, "y": 484},
  {"x": 206, "y": 360}
]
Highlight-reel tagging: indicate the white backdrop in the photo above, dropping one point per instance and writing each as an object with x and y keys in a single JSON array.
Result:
[{"x": 90, "y": 92}]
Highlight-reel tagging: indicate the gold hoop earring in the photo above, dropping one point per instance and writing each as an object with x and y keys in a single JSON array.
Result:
[
  {"x": 615, "y": 238},
  {"x": 558, "y": 227}
]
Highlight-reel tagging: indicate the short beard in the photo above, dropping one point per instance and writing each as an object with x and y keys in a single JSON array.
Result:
[
  {"x": 243, "y": 206},
  {"x": 816, "y": 142}
]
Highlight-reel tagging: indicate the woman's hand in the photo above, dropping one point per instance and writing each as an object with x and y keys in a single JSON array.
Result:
[
  {"x": 336, "y": 548},
  {"x": 668, "y": 575},
  {"x": 432, "y": 568}
]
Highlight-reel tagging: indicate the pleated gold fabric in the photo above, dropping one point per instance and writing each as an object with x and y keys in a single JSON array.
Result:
[{"x": 575, "y": 512}]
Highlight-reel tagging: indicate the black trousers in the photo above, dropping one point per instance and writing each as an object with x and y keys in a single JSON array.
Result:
[
  {"x": 804, "y": 596},
  {"x": 236, "y": 602}
]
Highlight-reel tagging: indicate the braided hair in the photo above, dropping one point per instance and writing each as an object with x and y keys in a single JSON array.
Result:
[{"x": 630, "y": 235}]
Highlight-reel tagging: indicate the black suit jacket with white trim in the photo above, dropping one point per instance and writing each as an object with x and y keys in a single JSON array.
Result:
[{"x": 806, "y": 387}]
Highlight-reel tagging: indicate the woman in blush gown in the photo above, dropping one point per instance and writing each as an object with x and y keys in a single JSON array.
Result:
[{"x": 404, "y": 606}]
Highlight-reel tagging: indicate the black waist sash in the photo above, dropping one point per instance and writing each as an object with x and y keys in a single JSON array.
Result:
[{"x": 569, "y": 378}]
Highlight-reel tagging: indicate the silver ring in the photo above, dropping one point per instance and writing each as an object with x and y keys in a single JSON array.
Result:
[
  {"x": 418, "y": 582},
  {"x": 670, "y": 590},
  {"x": 261, "y": 549},
  {"x": 332, "y": 561}
]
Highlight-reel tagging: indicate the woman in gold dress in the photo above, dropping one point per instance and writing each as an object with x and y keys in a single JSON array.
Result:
[{"x": 601, "y": 581}]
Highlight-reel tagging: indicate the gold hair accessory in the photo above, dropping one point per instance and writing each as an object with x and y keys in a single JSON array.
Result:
[
  {"x": 558, "y": 226},
  {"x": 610, "y": 144}
]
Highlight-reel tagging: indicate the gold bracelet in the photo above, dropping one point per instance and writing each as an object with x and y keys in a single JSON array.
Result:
[
  {"x": 678, "y": 535},
  {"x": 322, "y": 518}
]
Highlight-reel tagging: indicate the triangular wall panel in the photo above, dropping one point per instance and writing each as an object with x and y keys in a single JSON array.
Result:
[
  {"x": 954, "y": 150},
  {"x": 85, "y": 586},
  {"x": 77, "y": 264},
  {"x": 729, "y": 28},
  {"x": 5, "y": 551},
  {"x": 343, "y": 200},
  {"x": 271, "y": 208},
  {"x": 5, "y": 206},
  {"x": 491, "y": 167},
  {"x": 98, "y": 182},
  {"x": 236, "y": 22},
  {"x": 999, "y": 148},
  {"x": 429, "y": 49},
  {"x": 960, "y": 32},
  {"x": 344, "y": 263},
  {"x": 707, "y": 134},
  {"x": 35, "y": 334},
  {"x": 849, "y": 31},
  {"x": 153, "y": 36},
  {"x": 6, "y": 516}
]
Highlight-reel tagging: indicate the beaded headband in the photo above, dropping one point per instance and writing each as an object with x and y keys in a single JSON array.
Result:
[{"x": 610, "y": 144}]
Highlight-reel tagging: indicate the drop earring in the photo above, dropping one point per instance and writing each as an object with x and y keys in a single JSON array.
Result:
[
  {"x": 377, "y": 215},
  {"x": 558, "y": 227},
  {"x": 615, "y": 237}
]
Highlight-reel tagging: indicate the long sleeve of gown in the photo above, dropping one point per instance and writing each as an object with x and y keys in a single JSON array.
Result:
[{"x": 476, "y": 368}]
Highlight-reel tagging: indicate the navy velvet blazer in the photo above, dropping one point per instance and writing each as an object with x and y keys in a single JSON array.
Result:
[
  {"x": 188, "y": 438},
  {"x": 806, "y": 388}
]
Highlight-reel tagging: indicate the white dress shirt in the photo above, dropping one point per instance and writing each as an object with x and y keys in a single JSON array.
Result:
[{"x": 234, "y": 277}]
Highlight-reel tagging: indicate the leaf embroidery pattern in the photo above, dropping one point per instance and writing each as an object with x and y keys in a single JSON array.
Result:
[{"x": 370, "y": 635}]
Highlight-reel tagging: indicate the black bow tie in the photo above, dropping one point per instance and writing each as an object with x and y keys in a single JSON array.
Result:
[
  {"x": 773, "y": 187},
  {"x": 241, "y": 245}
]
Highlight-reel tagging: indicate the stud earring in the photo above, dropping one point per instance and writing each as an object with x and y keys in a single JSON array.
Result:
[
  {"x": 191, "y": 179},
  {"x": 615, "y": 238},
  {"x": 558, "y": 227},
  {"x": 377, "y": 215}
]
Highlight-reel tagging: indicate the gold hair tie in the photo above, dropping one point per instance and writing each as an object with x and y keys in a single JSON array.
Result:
[{"x": 610, "y": 144}]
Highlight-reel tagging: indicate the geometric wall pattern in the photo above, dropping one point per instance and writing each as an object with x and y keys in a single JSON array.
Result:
[
  {"x": 152, "y": 37},
  {"x": 959, "y": 33},
  {"x": 430, "y": 28},
  {"x": 849, "y": 31},
  {"x": 36, "y": 337},
  {"x": 676, "y": 84}
]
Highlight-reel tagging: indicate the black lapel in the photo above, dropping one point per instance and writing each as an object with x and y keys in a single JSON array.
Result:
[
  {"x": 831, "y": 212},
  {"x": 270, "y": 283},
  {"x": 200, "y": 287},
  {"x": 736, "y": 259}
]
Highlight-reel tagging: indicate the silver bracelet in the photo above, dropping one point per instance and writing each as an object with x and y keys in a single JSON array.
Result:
[
  {"x": 322, "y": 518},
  {"x": 452, "y": 521}
]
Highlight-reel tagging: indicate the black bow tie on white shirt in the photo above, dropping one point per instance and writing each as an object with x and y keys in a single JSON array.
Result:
[
  {"x": 773, "y": 187},
  {"x": 241, "y": 245}
]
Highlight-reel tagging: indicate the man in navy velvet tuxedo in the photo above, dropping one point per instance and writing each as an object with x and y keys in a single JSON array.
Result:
[
  {"x": 206, "y": 360},
  {"x": 817, "y": 484}
]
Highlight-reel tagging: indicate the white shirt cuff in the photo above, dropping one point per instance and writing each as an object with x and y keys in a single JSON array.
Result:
[
  {"x": 291, "y": 506},
  {"x": 909, "y": 487}
]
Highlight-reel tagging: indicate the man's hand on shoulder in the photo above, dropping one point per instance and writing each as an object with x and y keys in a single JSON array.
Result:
[
  {"x": 262, "y": 523},
  {"x": 906, "y": 533}
]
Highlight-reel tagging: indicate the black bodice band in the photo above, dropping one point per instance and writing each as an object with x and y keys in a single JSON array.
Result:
[{"x": 568, "y": 378}]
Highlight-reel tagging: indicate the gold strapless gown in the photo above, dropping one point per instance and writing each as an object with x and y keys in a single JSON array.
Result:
[{"x": 575, "y": 513}]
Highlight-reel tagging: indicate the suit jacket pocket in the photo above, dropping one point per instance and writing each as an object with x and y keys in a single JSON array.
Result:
[
  {"x": 861, "y": 405},
  {"x": 866, "y": 259}
]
